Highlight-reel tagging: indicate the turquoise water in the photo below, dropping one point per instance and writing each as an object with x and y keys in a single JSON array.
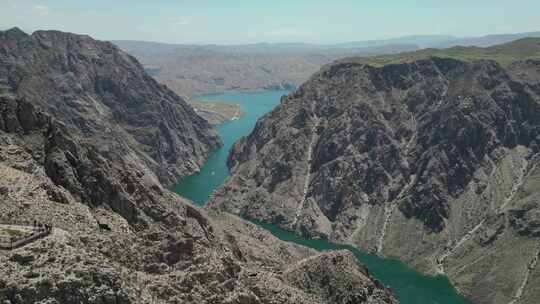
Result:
[
  {"x": 199, "y": 186},
  {"x": 410, "y": 287}
]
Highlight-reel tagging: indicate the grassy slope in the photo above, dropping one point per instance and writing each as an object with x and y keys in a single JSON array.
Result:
[{"x": 527, "y": 48}]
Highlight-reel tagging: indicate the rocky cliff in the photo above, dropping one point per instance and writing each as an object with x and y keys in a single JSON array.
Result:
[
  {"x": 103, "y": 96},
  {"x": 433, "y": 161},
  {"x": 87, "y": 143}
]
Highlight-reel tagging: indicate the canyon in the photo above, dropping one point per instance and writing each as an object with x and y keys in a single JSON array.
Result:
[
  {"x": 89, "y": 144},
  {"x": 430, "y": 157}
]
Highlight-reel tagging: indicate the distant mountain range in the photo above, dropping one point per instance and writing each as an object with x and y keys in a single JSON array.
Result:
[
  {"x": 418, "y": 41},
  {"x": 485, "y": 41},
  {"x": 504, "y": 54},
  {"x": 147, "y": 48},
  {"x": 441, "y": 41},
  {"x": 197, "y": 69}
]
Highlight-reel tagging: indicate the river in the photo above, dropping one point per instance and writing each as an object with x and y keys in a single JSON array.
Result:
[{"x": 410, "y": 286}]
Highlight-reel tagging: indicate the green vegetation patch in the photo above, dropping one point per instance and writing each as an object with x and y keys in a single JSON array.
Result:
[{"x": 7, "y": 233}]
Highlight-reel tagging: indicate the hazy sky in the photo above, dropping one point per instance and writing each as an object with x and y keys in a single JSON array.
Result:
[{"x": 247, "y": 21}]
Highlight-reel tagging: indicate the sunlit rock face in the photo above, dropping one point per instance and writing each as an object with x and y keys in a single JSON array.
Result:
[
  {"x": 88, "y": 143},
  {"x": 432, "y": 161}
]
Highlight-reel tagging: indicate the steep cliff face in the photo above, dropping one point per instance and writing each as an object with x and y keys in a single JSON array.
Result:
[
  {"x": 432, "y": 161},
  {"x": 140, "y": 243},
  {"x": 104, "y": 96},
  {"x": 87, "y": 141}
]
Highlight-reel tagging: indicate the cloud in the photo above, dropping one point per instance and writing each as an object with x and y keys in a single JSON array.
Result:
[{"x": 40, "y": 10}]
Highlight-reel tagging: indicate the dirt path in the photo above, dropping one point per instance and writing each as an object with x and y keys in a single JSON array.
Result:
[
  {"x": 530, "y": 268},
  {"x": 389, "y": 211},
  {"x": 521, "y": 177},
  {"x": 57, "y": 234},
  {"x": 451, "y": 250},
  {"x": 517, "y": 185},
  {"x": 300, "y": 206}
]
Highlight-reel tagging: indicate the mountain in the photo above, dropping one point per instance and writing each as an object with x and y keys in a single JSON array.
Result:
[
  {"x": 504, "y": 54},
  {"x": 148, "y": 48},
  {"x": 485, "y": 41},
  {"x": 422, "y": 41},
  {"x": 426, "y": 157},
  {"x": 88, "y": 142},
  {"x": 198, "y": 69},
  {"x": 443, "y": 41},
  {"x": 73, "y": 79}
]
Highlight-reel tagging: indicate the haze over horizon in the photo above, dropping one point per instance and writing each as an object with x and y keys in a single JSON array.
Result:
[{"x": 310, "y": 21}]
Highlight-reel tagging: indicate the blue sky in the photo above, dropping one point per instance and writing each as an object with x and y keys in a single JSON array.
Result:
[{"x": 249, "y": 21}]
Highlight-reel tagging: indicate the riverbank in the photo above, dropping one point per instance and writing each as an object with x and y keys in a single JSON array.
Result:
[
  {"x": 410, "y": 286},
  {"x": 217, "y": 112},
  {"x": 403, "y": 280}
]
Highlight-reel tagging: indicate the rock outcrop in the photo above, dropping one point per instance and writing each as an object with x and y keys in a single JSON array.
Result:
[
  {"x": 87, "y": 143},
  {"x": 432, "y": 161},
  {"x": 103, "y": 95}
]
